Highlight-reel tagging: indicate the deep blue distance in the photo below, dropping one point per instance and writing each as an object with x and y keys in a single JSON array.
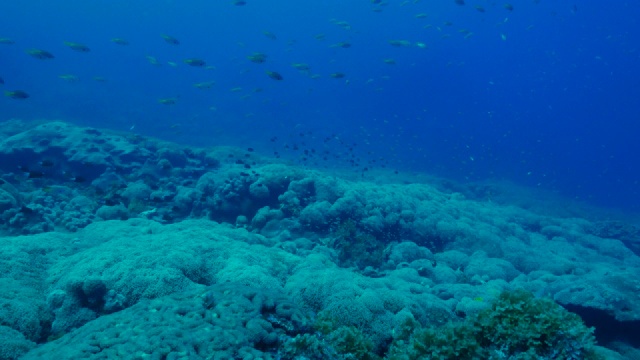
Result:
[{"x": 545, "y": 95}]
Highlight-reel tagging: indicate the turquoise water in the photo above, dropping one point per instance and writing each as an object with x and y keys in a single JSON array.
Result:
[{"x": 334, "y": 180}]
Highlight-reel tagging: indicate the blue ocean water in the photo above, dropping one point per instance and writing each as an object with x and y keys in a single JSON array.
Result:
[{"x": 544, "y": 94}]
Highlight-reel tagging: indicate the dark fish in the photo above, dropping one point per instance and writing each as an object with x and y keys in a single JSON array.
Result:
[
  {"x": 239, "y": 2},
  {"x": 257, "y": 58},
  {"x": 168, "y": 101},
  {"x": 400, "y": 43},
  {"x": 35, "y": 174},
  {"x": 195, "y": 62},
  {"x": 26, "y": 210},
  {"x": 170, "y": 39},
  {"x": 269, "y": 34},
  {"x": 46, "y": 163},
  {"x": 337, "y": 75},
  {"x": 40, "y": 54},
  {"x": 301, "y": 66},
  {"x": 7, "y": 41},
  {"x": 508, "y": 7},
  {"x": 480, "y": 8},
  {"x": 119, "y": 41},
  {"x": 274, "y": 75},
  {"x": 342, "y": 44},
  {"x": 204, "y": 85},
  {"x": 77, "y": 46},
  {"x": 460, "y": 2},
  {"x": 16, "y": 94},
  {"x": 1, "y": 81}
]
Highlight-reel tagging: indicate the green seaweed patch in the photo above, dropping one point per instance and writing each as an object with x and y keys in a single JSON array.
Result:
[
  {"x": 516, "y": 326},
  {"x": 330, "y": 341}
]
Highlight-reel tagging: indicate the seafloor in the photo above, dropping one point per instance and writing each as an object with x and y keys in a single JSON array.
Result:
[{"x": 116, "y": 246}]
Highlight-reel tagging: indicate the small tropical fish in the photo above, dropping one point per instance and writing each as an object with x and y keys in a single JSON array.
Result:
[
  {"x": 270, "y": 35},
  {"x": 400, "y": 43},
  {"x": 35, "y": 174},
  {"x": 421, "y": 16},
  {"x": 16, "y": 94},
  {"x": 46, "y": 163},
  {"x": 389, "y": 61},
  {"x": 459, "y": 2},
  {"x": 69, "y": 78},
  {"x": 343, "y": 24},
  {"x": 342, "y": 44},
  {"x": 77, "y": 46},
  {"x": 274, "y": 75},
  {"x": 195, "y": 62},
  {"x": 480, "y": 8},
  {"x": 153, "y": 61},
  {"x": 100, "y": 79},
  {"x": 508, "y": 7},
  {"x": 239, "y": 2},
  {"x": 257, "y": 57},
  {"x": 1, "y": 81},
  {"x": 204, "y": 85},
  {"x": 40, "y": 54},
  {"x": 319, "y": 37},
  {"x": 337, "y": 75},
  {"x": 170, "y": 40},
  {"x": 168, "y": 101},
  {"x": 119, "y": 41},
  {"x": 7, "y": 41},
  {"x": 301, "y": 66}
]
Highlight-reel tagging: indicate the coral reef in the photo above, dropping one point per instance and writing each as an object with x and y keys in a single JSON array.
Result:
[{"x": 102, "y": 230}]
